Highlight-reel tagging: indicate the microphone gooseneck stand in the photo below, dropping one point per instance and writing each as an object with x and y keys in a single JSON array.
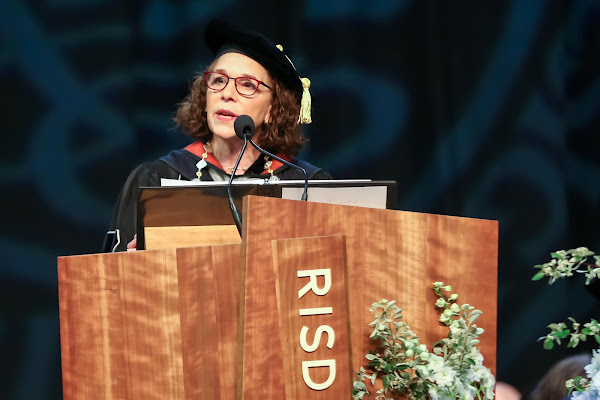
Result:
[
  {"x": 235, "y": 212},
  {"x": 305, "y": 192},
  {"x": 244, "y": 129}
]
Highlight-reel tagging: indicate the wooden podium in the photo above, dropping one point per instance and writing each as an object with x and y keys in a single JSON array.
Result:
[{"x": 238, "y": 321}]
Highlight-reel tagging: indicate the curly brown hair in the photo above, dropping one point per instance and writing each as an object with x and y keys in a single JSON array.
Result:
[{"x": 281, "y": 135}]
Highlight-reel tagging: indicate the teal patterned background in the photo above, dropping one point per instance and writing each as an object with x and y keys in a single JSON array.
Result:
[{"x": 478, "y": 109}]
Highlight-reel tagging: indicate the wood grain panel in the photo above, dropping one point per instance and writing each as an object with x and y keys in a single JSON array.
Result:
[
  {"x": 229, "y": 288},
  {"x": 120, "y": 328},
  {"x": 310, "y": 254},
  {"x": 391, "y": 254},
  {"x": 88, "y": 289},
  {"x": 167, "y": 237},
  {"x": 144, "y": 325},
  {"x": 209, "y": 308}
]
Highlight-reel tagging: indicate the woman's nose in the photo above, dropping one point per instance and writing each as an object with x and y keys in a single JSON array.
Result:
[{"x": 229, "y": 92}]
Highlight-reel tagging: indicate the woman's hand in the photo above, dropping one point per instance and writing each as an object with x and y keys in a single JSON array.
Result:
[{"x": 132, "y": 246}]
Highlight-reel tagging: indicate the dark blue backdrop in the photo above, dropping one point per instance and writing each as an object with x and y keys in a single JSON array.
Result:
[{"x": 479, "y": 109}]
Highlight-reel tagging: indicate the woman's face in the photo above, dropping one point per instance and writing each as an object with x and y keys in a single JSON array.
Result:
[{"x": 223, "y": 107}]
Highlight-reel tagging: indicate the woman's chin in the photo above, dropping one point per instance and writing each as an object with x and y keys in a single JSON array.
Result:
[{"x": 224, "y": 135}]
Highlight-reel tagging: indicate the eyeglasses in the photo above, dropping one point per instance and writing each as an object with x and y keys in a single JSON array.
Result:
[{"x": 244, "y": 85}]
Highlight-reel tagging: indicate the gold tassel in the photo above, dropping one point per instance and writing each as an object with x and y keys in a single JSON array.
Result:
[
  {"x": 280, "y": 48},
  {"x": 305, "y": 103}
]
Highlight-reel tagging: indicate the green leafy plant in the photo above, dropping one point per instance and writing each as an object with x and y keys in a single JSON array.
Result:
[
  {"x": 405, "y": 367},
  {"x": 565, "y": 263}
]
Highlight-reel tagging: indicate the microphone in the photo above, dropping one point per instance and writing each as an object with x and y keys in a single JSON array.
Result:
[
  {"x": 244, "y": 129},
  {"x": 244, "y": 125}
]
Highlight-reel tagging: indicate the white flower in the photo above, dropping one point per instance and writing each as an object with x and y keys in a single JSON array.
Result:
[
  {"x": 423, "y": 372},
  {"x": 475, "y": 373},
  {"x": 487, "y": 385},
  {"x": 438, "y": 394},
  {"x": 583, "y": 396},
  {"x": 562, "y": 253},
  {"x": 593, "y": 367},
  {"x": 464, "y": 391},
  {"x": 595, "y": 383},
  {"x": 434, "y": 393},
  {"x": 590, "y": 370},
  {"x": 456, "y": 326},
  {"x": 436, "y": 371},
  {"x": 434, "y": 362},
  {"x": 444, "y": 376},
  {"x": 476, "y": 356},
  {"x": 548, "y": 270}
]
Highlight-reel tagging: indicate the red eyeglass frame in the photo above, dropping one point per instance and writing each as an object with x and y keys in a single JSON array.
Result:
[{"x": 206, "y": 73}]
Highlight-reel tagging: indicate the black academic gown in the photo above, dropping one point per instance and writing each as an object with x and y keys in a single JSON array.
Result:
[{"x": 181, "y": 164}]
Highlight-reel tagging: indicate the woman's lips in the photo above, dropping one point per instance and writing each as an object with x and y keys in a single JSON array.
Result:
[{"x": 225, "y": 115}]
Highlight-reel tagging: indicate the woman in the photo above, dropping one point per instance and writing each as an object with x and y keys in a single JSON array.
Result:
[{"x": 249, "y": 75}]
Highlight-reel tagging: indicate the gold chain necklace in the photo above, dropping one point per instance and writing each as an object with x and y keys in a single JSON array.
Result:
[
  {"x": 207, "y": 149},
  {"x": 244, "y": 169}
]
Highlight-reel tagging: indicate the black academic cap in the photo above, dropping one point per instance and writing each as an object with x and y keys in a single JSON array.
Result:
[{"x": 221, "y": 36}]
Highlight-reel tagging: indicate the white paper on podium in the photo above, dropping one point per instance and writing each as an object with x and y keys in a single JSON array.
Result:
[
  {"x": 367, "y": 196},
  {"x": 255, "y": 181},
  {"x": 361, "y": 196},
  {"x": 177, "y": 182}
]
